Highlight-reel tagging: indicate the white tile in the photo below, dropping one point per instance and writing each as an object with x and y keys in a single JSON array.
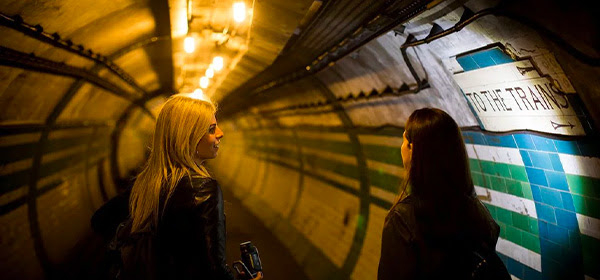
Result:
[
  {"x": 506, "y": 201},
  {"x": 580, "y": 165},
  {"x": 520, "y": 254},
  {"x": 497, "y": 154},
  {"x": 589, "y": 226}
]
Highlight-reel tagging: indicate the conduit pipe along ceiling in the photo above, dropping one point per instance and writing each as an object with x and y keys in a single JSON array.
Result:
[{"x": 209, "y": 39}]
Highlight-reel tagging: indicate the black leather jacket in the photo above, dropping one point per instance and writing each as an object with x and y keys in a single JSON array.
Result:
[
  {"x": 192, "y": 232},
  {"x": 411, "y": 251}
]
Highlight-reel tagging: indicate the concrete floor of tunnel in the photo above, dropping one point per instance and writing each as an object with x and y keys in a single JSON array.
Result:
[
  {"x": 242, "y": 225},
  {"x": 85, "y": 260}
]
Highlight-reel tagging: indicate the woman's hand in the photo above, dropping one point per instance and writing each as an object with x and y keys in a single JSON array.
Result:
[{"x": 258, "y": 276}]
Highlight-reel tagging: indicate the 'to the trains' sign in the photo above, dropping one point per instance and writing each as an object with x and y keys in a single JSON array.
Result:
[{"x": 514, "y": 96}]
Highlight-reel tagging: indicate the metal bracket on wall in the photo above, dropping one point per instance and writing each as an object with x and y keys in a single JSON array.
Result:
[{"x": 54, "y": 39}]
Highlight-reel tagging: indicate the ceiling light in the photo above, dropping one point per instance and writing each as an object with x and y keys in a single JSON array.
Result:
[
  {"x": 239, "y": 11},
  {"x": 197, "y": 94},
  {"x": 188, "y": 44},
  {"x": 217, "y": 63},
  {"x": 210, "y": 72},
  {"x": 204, "y": 82}
]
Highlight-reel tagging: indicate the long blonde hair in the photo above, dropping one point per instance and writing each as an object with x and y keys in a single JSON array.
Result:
[{"x": 182, "y": 122}]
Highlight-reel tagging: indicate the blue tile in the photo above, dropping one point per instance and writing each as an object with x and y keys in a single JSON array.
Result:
[
  {"x": 500, "y": 57},
  {"x": 556, "y": 164},
  {"x": 536, "y": 176},
  {"x": 567, "y": 147},
  {"x": 483, "y": 59},
  {"x": 543, "y": 144},
  {"x": 551, "y": 197},
  {"x": 501, "y": 141},
  {"x": 535, "y": 192},
  {"x": 514, "y": 267},
  {"x": 525, "y": 157},
  {"x": 467, "y": 63},
  {"x": 567, "y": 199},
  {"x": 545, "y": 213},
  {"x": 474, "y": 138},
  {"x": 558, "y": 234},
  {"x": 556, "y": 180},
  {"x": 524, "y": 141},
  {"x": 551, "y": 250},
  {"x": 566, "y": 219},
  {"x": 540, "y": 160},
  {"x": 575, "y": 241},
  {"x": 543, "y": 227},
  {"x": 552, "y": 267},
  {"x": 531, "y": 274}
]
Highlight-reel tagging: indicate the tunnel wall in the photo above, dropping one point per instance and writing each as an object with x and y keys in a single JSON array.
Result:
[
  {"x": 77, "y": 84},
  {"x": 322, "y": 165}
]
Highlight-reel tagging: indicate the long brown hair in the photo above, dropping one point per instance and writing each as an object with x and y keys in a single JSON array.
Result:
[
  {"x": 182, "y": 122},
  {"x": 438, "y": 175}
]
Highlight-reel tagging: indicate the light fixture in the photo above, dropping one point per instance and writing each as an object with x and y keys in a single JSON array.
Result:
[
  {"x": 188, "y": 44},
  {"x": 210, "y": 72},
  {"x": 239, "y": 11},
  {"x": 204, "y": 82},
  {"x": 217, "y": 63},
  {"x": 197, "y": 94}
]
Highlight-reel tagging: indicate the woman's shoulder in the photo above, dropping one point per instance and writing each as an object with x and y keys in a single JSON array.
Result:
[
  {"x": 401, "y": 219},
  {"x": 404, "y": 207}
]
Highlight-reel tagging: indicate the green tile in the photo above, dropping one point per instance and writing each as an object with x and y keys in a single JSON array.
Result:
[
  {"x": 591, "y": 255},
  {"x": 514, "y": 187},
  {"x": 584, "y": 185},
  {"x": 491, "y": 209},
  {"x": 514, "y": 235},
  {"x": 502, "y": 170},
  {"x": 520, "y": 221},
  {"x": 498, "y": 183},
  {"x": 518, "y": 172},
  {"x": 488, "y": 181},
  {"x": 531, "y": 242},
  {"x": 504, "y": 216},
  {"x": 579, "y": 204},
  {"x": 533, "y": 226},
  {"x": 593, "y": 206},
  {"x": 502, "y": 230},
  {"x": 474, "y": 165},
  {"x": 488, "y": 167},
  {"x": 526, "y": 188},
  {"x": 478, "y": 179}
]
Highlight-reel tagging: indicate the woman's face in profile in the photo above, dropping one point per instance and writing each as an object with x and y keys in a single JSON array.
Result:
[
  {"x": 209, "y": 144},
  {"x": 406, "y": 151}
]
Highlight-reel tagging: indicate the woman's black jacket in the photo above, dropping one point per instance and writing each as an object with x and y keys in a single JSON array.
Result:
[
  {"x": 428, "y": 247},
  {"x": 191, "y": 232}
]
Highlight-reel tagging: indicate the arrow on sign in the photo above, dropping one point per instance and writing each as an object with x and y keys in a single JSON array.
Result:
[
  {"x": 557, "y": 125},
  {"x": 524, "y": 70}
]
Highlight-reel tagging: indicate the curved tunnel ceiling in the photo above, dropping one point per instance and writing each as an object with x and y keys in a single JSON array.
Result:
[{"x": 314, "y": 96}]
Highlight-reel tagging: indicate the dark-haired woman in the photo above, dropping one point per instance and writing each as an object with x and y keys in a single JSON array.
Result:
[{"x": 437, "y": 223}]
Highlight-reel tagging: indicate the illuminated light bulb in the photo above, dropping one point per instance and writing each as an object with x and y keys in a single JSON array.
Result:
[
  {"x": 239, "y": 11},
  {"x": 217, "y": 63},
  {"x": 197, "y": 94},
  {"x": 189, "y": 45},
  {"x": 210, "y": 72},
  {"x": 204, "y": 82}
]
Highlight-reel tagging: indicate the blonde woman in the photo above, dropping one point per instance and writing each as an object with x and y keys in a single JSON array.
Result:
[{"x": 175, "y": 198}]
